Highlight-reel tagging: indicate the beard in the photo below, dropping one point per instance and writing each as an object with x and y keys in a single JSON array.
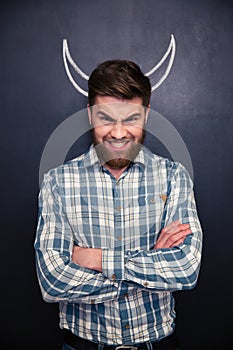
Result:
[{"x": 118, "y": 159}]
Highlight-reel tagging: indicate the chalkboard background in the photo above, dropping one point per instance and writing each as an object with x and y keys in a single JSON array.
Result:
[{"x": 36, "y": 96}]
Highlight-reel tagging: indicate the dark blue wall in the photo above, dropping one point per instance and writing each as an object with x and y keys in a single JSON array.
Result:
[{"x": 36, "y": 96}]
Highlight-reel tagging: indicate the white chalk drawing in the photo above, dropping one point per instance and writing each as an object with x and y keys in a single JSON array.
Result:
[
  {"x": 67, "y": 58},
  {"x": 70, "y": 130}
]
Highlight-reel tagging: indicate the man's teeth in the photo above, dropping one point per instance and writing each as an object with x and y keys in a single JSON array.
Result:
[{"x": 118, "y": 144}]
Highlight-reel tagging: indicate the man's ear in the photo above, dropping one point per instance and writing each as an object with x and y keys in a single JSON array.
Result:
[
  {"x": 89, "y": 113},
  {"x": 147, "y": 113}
]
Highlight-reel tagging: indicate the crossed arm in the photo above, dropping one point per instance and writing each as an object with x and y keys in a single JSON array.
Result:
[
  {"x": 72, "y": 273},
  {"x": 171, "y": 235}
]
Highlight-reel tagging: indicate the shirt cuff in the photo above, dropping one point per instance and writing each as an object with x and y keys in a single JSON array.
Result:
[{"x": 113, "y": 264}]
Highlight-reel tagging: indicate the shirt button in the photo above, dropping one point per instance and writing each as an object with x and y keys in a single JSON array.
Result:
[
  {"x": 119, "y": 238},
  {"x": 146, "y": 284},
  {"x": 114, "y": 277},
  {"x": 152, "y": 200},
  {"x": 118, "y": 208},
  {"x": 127, "y": 326}
]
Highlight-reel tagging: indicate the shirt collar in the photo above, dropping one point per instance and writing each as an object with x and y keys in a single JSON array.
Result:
[{"x": 91, "y": 158}]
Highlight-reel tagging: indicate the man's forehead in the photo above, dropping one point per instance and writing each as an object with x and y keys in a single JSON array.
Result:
[
  {"x": 125, "y": 107},
  {"x": 111, "y": 99}
]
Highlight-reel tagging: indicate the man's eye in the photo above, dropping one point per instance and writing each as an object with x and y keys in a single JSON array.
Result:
[
  {"x": 131, "y": 120},
  {"x": 106, "y": 118}
]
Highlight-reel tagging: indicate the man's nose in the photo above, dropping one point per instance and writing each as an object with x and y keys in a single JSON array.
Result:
[{"x": 118, "y": 130}]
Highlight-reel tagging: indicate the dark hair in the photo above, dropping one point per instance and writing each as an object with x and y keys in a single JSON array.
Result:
[{"x": 119, "y": 78}]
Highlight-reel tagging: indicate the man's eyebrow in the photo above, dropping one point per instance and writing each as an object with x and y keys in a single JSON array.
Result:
[
  {"x": 107, "y": 113},
  {"x": 136, "y": 114},
  {"x": 100, "y": 113}
]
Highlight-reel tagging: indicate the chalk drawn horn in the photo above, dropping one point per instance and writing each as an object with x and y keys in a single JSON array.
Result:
[
  {"x": 67, "y": 56},
  {"x": 171, "y": 49}
]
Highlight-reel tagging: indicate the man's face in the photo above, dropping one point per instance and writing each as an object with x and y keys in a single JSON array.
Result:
[{"x": 118, "y": 129}]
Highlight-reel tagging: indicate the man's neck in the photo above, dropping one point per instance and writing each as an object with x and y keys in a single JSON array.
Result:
[{"x": 115, "y": 172}]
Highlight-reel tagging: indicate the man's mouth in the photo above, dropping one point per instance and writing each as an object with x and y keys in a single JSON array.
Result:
[{"x": 117, "y": 144}]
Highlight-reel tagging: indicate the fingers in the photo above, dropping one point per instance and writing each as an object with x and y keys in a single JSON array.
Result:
[
  {"x": 178, "y": 242},
  {"x": 177, "y": 229},
  {"x": 171, "y": 226},
  {"x": 173, "y": 234}
]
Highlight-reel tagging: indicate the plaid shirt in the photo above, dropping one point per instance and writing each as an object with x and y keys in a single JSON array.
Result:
[{"x": 81, "y": 203}]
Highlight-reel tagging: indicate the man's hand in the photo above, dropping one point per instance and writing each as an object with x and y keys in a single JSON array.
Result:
[
  {"x": 172, "y": 234},
  {"x": 90, "y": 258}
]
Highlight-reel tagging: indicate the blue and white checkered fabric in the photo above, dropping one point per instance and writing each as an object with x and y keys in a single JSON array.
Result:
[{"x": 82, "y": 203}]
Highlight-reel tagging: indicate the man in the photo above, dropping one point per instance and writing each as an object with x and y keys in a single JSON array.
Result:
[{"x": 118, "y": 229}]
